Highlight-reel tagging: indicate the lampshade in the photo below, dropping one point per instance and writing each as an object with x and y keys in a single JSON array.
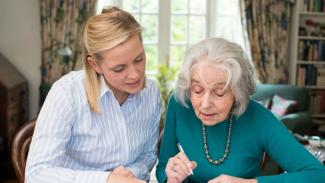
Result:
[{"x": 65, "y": 51}]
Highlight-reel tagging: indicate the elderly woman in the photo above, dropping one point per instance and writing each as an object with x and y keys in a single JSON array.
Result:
[{"x": 223, "y": 132}]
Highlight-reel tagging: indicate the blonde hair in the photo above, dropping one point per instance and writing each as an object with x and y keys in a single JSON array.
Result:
[
  {"x": 103, "y": 32},
  {"x": 231, "y": 58}
]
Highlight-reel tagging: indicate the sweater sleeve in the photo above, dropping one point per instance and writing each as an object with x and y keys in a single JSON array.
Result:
[
  {"x": 168, "y": 145},
  {"x": 299, "y": 165}
]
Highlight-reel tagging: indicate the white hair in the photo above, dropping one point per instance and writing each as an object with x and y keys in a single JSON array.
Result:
[{"x": 227, "y": 56}]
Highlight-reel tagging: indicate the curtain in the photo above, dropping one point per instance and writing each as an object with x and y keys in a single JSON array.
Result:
[
  {"x": 267, "y": 24},
  {"x": 62, "y": 24}
]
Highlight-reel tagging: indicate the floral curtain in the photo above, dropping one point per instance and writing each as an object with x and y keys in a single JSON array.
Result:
[
  {"x": 62, "y": 23},
  {"x": 267, "y": 23}
]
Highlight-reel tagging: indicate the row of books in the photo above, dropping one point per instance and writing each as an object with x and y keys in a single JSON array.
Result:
[
  {"x": 318, "y": 103},
  {"x": 311, "y": 75},
  {"x": 311, "y": 50},
  {"x": 314, "y": 5}
]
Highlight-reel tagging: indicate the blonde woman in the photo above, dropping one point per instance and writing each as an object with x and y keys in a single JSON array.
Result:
[{"x": 100, "y": 124}]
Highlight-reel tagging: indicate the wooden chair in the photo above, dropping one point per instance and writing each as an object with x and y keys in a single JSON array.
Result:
[{"x": 20, "y": 148}]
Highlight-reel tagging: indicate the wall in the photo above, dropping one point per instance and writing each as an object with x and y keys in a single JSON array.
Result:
[{"x": 20, "y": 42}]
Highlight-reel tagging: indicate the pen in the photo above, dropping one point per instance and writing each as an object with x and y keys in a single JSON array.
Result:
[{"x": 181, "y": 150}]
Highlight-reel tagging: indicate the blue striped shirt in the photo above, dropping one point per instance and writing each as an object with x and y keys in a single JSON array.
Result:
[{"x": 73, "y": 144}]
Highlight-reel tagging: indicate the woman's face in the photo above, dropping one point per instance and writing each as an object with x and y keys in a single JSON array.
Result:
[
  {"x": 211, "y": 102},
  {"x": 123, "y": 67}
]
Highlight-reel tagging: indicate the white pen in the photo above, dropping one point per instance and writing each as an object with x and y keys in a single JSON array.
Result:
[{"x": 181, "y": 150}]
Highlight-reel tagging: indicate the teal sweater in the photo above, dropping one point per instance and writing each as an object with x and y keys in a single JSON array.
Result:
[{"x": 253, "y": 133}]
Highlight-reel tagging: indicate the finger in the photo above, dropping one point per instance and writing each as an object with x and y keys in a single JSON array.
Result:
[
  {"x": 176, "y": 164},
  {"x": 139, "y": 181},
  {"x": 123, "y": 171},
  {"x": 128, "y": 172},
  {"x": 184, "y": 166},
  {"x": 182, "y": 156},
  {"x": 215, "y": 180},
  {"x": 193, "y": 165},
  {"x": 177, "y": 175},
  {"x": 169, "y": 166},
  {"x": 221, "y": 179},
  {"x": 174, "y": 173},
  {"x": 131, "y": 180},
  {"x": 187, "y": 162},
  {"x": 172, "y": 180},
  {"x": 170, "y": 163},
  {"x": 118, "y": 168},
  {"x": 179, "y": 170}
]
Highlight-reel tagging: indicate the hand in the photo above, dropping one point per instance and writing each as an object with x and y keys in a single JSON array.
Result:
[
  {"x": 121, "y": 170},
  {"x": 177, "y": 168},
  {"x": 114, "y": 178},
  {"x": 123, "y": 175},
  {"x": 230, "y": 179}
]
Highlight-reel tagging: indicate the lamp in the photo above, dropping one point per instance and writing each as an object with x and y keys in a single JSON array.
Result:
[{"x": 65, "y": 52}]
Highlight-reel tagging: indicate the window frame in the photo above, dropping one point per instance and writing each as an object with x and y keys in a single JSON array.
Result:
[{"x": 165, "y": 15}]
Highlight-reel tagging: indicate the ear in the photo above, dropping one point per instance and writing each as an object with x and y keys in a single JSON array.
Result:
[{"x": 92, "y": 62}]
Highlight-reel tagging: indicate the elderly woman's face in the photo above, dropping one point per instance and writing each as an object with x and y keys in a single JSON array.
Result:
[{"x": 212, "y": 103}]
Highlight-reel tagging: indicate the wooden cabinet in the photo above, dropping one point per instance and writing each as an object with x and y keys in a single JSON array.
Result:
[
  {"x": 308, "y": 53},
  {"x": 13, "y": 107}
]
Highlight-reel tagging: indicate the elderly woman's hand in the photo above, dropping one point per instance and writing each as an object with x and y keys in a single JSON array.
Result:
[
  {"x": 178, "y": 168},
  {"x": 231, "y": 179}
]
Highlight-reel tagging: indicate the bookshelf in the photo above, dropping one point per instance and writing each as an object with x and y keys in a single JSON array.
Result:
[{"x": 307, "y": 53}]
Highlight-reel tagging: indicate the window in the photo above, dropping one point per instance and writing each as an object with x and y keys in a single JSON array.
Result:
[
  {"x": 229, "y": 23},
  {"x": 147, "y": 14},
  {"x": 187, "y": 26},
  {"x": 171, "y": 26}
]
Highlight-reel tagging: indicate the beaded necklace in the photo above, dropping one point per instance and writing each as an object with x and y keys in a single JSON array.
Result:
[{"x": 225, "y": 154}]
